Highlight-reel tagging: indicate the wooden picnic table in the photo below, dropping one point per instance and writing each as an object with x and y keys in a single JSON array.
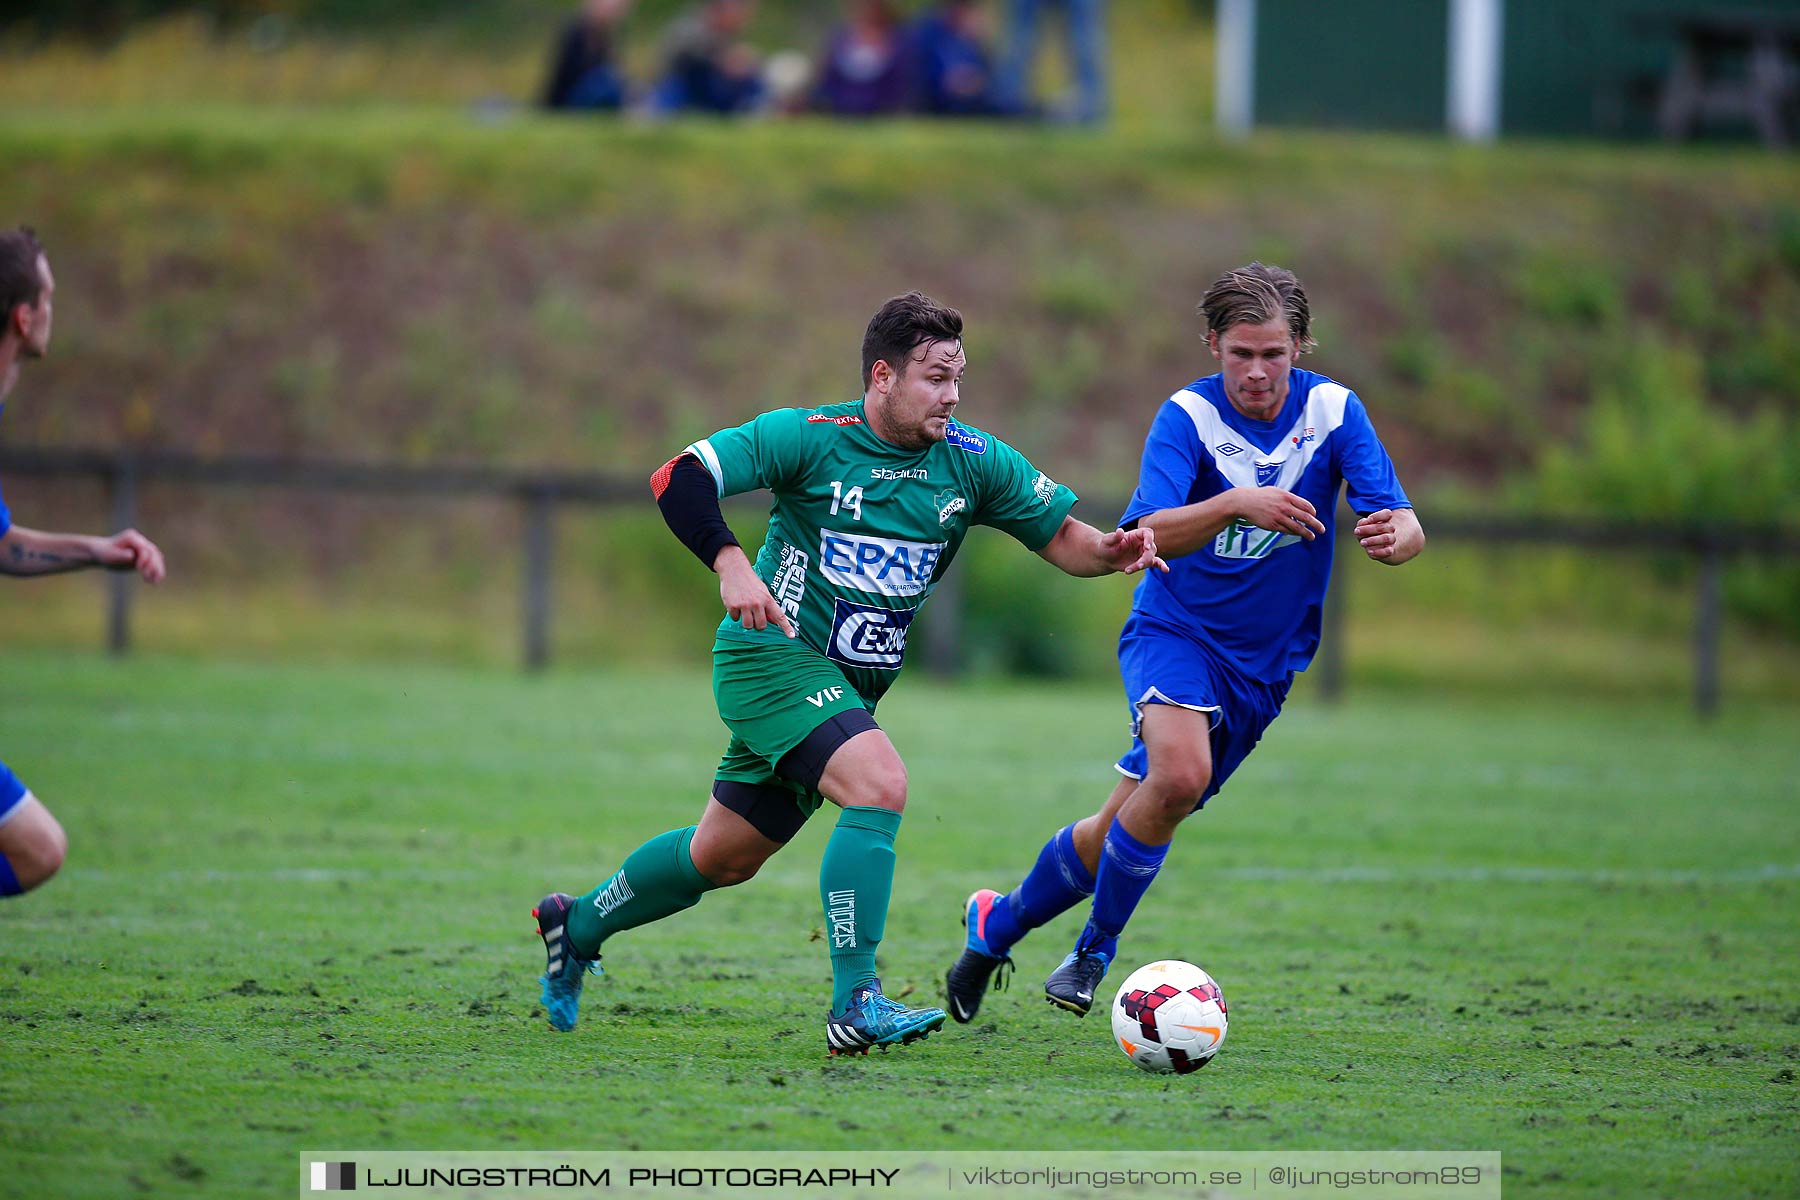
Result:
[{"x": 1731, "y": 65}]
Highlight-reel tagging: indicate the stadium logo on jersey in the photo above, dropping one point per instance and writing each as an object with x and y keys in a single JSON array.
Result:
[
  {"x": 868, "y": 637},
  {"x": 1045, "y": 487},
  {"x": 965, "y": 439},
  {"x": 885, "y": 566},
  {"x": 828, "y": 419},
  {"x": 1268, "y": 472},
  {"x": 948, "y": 505},
  {"x": 899, "y": 473},
  {"x": 1230, "y": 448},
  {"x": 789, "y": 585}
]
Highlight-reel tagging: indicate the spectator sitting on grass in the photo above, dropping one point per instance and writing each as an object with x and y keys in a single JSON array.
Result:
[
  {"x": 953, "y": 69},
  {"x": 585, "y": 74},
  {"x": 710, "y": 67},
  {"x": 865, "y": 70}
]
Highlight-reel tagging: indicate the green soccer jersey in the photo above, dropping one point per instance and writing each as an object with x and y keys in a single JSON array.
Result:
[{"x": 861, "y": 530}]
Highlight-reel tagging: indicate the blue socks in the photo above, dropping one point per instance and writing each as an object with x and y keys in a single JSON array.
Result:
[
  {"x": 1126, "y": 868},
  {"x": 1058, "y": 882}
]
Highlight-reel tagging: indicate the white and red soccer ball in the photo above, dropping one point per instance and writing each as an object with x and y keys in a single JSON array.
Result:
[{"x": 1169, "y": 1016}]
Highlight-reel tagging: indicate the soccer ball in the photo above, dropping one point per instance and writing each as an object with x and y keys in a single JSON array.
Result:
[{"x": 1169, "y": 1016}]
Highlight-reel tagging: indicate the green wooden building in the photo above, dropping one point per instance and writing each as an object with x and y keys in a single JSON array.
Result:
[{"x": 1481, "y": 69}]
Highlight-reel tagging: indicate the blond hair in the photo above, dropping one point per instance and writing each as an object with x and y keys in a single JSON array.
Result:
[{"x": 1258, "y": 294}]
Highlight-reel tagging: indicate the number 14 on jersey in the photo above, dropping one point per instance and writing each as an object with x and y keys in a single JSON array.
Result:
[{"x": 850, "y": 500}]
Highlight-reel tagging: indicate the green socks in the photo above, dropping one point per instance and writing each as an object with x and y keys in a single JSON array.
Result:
[
  {"x": 657, "y": 880},
  {"x": 856, "y": 879}
]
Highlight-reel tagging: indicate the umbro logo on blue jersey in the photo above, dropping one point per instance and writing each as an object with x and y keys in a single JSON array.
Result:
[{"x": 1230, "y": 448}]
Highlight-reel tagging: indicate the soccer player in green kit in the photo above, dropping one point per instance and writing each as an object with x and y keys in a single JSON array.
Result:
[{"x": 872, "y": 500}]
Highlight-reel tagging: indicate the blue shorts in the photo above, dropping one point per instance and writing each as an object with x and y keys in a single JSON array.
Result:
[
  {"x": 1161, "y": 664},
  {"x": 12, "y": 792}
]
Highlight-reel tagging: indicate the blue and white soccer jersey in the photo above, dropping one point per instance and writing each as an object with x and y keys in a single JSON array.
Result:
[{"x": 1226, "y": 628}]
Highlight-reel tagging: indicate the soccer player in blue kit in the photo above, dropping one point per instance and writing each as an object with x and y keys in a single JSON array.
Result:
[
  {"x": 32, "y": 844},
  {"x": 1239, "y": 482}
]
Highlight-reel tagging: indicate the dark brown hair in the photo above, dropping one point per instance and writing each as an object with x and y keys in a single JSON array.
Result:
[
  {"x": 1258, "y": 294},
  {"x": 20, "y": 280},
  {"x": 901, "y": 326}
]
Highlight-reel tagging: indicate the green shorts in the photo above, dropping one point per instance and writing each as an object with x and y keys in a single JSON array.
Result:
[{"x": 771, "y": 695}]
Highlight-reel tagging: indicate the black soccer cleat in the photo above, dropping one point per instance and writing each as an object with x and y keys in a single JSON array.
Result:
[
  {"x": 564, "y": 971},
  {"x": 967, "y": 980},
  {"x": 1072, "y": 985}
]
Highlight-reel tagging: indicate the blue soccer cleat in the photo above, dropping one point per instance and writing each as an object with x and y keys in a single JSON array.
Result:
[
  {"x": 564, "y": 971},
  {"x": 871, "y": 1019},
  {"x": 967, "y": 980},
  {"x": 1072, "y": 985}
]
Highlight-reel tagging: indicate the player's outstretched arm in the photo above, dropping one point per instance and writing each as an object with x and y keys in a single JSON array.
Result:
[
  {"x": 1391, "y": 536},
  {"x": 34, "y": 552},
  {"x": 1081, "y": 550}
]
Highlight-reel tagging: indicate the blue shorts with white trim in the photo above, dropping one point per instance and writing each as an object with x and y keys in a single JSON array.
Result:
[
  {"x": 1161, "y": 664},
  {"x": 12, "y": 792}
]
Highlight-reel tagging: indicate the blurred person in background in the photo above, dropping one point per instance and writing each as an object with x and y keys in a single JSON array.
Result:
[
  {"x": 1084, "y": 30},
  {"x": 865, "y": 70},
  {"x": 32, "y": 844},
  {"x": 1240, "y": 479},
  {"x": 953, "y": 69},
  {"x": 709, "y": 66},
  {"x": 585, "y": 73}
]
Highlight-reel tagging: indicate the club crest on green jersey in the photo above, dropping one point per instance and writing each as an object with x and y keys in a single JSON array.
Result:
[{"x": 948, "y": 505}]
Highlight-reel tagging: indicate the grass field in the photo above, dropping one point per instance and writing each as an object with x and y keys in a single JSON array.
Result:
[{"x": 296, "y": 916}]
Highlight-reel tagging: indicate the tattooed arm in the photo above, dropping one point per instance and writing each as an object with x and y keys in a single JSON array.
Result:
[{"x": 31, "y": 552}]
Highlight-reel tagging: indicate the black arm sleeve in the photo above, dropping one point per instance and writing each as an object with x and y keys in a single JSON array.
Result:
[{"x": 689, "y": 501}]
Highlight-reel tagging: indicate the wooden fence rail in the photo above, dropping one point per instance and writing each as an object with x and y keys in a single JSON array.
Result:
[{"x": 540, "y": 493}]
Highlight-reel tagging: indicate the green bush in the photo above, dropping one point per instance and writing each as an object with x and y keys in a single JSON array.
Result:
[{"x": 1653, "y": 449}]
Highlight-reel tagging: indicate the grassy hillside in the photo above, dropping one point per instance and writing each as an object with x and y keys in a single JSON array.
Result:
[{"x": 422, "y": 284}]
